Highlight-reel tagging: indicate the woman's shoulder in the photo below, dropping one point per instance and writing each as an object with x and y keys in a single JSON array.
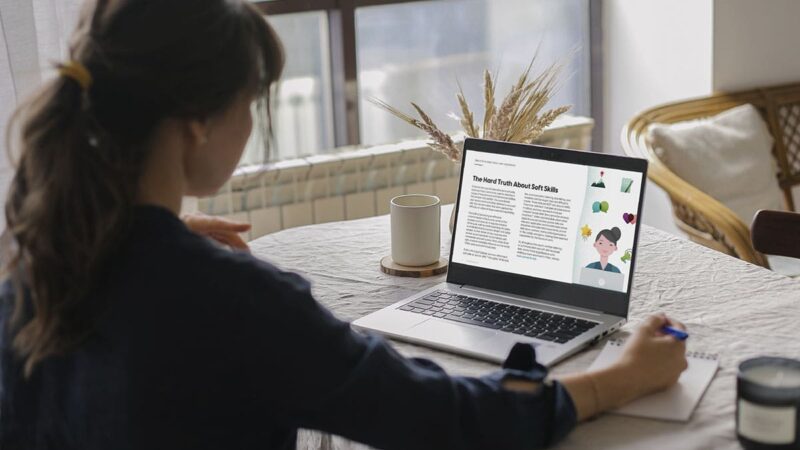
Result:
[
  {"x": 186, "y": 264},
  {"x": 238, "y": 270},
  {"x": 249, "y": 270}
]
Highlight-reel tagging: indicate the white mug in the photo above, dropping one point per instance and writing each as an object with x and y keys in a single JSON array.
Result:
[{"x": 416, "y": 222}]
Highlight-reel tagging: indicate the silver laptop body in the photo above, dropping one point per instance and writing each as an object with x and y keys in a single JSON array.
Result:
[{"x": 441, "y": 317}]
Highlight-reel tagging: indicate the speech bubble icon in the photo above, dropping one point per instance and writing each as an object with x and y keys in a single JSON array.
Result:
[
  {"x": 596, "y": 207},
  {"x": 604, "y": 206}
]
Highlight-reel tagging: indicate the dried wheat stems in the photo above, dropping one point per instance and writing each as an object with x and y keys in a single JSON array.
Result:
[{"x": 519, "y": 118}]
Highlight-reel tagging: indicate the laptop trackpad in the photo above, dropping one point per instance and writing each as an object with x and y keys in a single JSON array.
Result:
[{"x": 449, "y": 334}]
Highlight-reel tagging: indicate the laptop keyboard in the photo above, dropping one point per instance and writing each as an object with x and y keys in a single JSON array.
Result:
[{"x": 500, "y": 316}]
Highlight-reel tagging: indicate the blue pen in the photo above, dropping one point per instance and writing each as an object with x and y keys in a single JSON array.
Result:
[{"x": 674, "y": 332}]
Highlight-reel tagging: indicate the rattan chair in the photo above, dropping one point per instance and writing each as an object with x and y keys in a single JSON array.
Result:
[{"x": 704, "y": 219}]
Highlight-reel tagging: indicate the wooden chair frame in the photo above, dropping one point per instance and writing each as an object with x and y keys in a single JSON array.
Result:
[{"x": 704, "y": 219}]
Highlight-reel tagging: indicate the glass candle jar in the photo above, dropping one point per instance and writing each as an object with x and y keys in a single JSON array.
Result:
[{"x": 767, "y": 400}]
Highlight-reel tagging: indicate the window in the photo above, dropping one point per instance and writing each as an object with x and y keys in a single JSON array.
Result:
[
  {"x": 340, "y": 53},
  {"x": 418, "y": 51},
  {"x": 303, "y": 117}
]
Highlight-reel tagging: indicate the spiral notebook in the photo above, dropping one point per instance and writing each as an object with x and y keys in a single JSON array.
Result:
[{"x": 676, "y": 403}]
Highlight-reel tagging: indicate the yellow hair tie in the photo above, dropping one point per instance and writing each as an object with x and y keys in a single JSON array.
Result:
[{"x": 77, "y": 72}]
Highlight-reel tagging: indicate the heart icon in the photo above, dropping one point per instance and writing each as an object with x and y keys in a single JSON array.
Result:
[{"x": 629, "y": 218}]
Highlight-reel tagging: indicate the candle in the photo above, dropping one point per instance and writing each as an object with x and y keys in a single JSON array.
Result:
[
  {"x": 768, "y": 397},
  {"x": 774, "y": 376}
]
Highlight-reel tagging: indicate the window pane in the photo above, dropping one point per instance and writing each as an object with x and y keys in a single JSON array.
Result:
[
  {"x": 302, "y": 120},
  {"x": 417, "y": 51}
]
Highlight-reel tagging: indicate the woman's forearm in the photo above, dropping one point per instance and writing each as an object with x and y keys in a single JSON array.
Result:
[{"x": 598, "y": 391}]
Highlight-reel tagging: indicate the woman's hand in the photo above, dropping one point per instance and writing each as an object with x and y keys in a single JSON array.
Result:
[
  {"x": 221, "y": 230},
  {"x": 651, "y": 361}
]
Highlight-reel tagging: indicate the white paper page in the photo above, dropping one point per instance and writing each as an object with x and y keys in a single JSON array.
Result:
[
  {"x": 676, "y": 403},
  {"x": 519, "y": 215}
]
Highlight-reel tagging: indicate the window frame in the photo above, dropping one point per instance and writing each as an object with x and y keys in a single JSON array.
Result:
[{"x": 341, "y": 15}]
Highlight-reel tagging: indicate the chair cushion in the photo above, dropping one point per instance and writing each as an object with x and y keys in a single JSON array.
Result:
[
  {"x": 784, "y": 265},
  {"x": 727, "y": 156}
]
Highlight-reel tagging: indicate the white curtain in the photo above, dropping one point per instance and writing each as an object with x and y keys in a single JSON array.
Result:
[{"x": 33, "y": 37}]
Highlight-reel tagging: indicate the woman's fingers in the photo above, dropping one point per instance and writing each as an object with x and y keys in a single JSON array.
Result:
[
  {"x": 666, "y": 338},
  {"x": 654, "y": 323},
  {"x": 203, "y": 224},
  {"x": 224, "y": 231},
  {"x": 229, "y": 225},
  {"x": 221, "y": 230},
  {"x": 232, "y": 240},
  {"x": 669, "y": 340},
  {"x": 676, "y": 324}
]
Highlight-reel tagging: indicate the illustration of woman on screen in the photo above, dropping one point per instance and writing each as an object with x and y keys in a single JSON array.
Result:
[{"x": 606, "y": 244}]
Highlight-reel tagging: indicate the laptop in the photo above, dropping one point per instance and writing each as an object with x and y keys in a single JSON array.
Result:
[
  {"x": 602, "y": 279},
  {"x": 543, "y": 252}
]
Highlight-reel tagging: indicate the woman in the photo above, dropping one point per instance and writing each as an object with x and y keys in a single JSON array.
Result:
[
  {"x": 606, "y": 244},
  {"x": 123, "y": 329}
]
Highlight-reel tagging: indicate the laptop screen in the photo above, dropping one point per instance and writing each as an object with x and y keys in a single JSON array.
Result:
[{"x": 572, "y": 223}]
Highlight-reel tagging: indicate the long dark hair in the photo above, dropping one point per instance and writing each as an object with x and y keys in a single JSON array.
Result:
[{"x": 81, "y": 151}]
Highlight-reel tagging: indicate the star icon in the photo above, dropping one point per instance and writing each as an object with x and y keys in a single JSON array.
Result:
[{"x": 586, "y": 232}]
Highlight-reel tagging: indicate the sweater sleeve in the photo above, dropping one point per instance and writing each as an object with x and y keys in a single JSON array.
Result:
[{"x": 310, "y": 370}]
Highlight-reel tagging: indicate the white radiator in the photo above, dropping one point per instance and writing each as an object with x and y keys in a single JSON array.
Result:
[{"x": 352, "y": 184}]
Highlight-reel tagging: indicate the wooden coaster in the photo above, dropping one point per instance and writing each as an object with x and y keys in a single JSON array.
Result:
[{"x": 388, "y": 266}]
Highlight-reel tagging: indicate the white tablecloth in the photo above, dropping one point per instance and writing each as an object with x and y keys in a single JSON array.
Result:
[{"x": 732, "y": 308}]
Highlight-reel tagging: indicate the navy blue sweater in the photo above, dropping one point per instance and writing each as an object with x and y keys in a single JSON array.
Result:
[{"x": 200, "y": 347}]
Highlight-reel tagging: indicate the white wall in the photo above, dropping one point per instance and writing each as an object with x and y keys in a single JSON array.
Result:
[
  {"x": 756, "y": 43},
  {"x": 655, "y": 51}
]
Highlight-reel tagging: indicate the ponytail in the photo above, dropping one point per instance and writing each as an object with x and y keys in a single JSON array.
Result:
[
  {"x": 68, "y": 205},
  {"x": 84, "y": 142}
]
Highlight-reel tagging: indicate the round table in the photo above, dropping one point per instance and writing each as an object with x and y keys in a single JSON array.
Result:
[{"x": 732, "y": 308}]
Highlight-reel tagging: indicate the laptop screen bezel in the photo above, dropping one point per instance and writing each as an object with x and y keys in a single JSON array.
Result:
[{"x": 571, "y": 294}]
